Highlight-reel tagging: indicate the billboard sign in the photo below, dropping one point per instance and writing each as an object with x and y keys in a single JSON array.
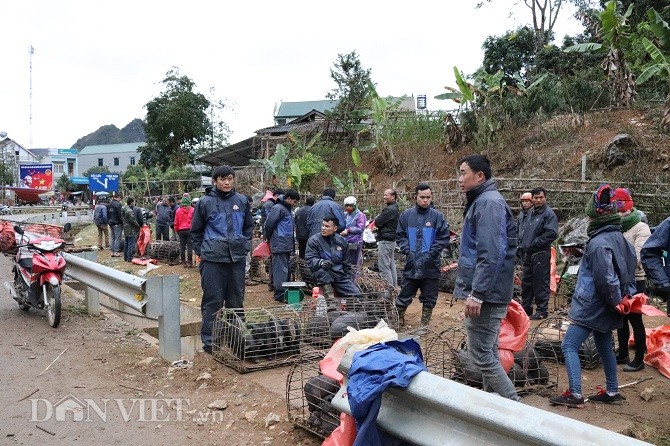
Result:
[{"x": 36, "y": 176}]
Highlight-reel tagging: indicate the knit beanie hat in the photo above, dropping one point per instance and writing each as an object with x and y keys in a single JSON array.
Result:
[
  {"x": 624, "y": 200},
  {"x": 185, "y": 201}
]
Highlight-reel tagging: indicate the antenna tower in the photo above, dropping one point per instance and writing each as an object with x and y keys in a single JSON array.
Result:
[{"x": 31, "y": 51}]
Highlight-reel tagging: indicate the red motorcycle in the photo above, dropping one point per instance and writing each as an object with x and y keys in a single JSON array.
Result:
[{"x": 38, "y": 274}]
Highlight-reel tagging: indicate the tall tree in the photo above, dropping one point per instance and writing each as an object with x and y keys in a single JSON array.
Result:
[
  {"x": 544, "y": 14},
  {"x": 352, "y": 87},
  {"x": 176, "y": 123},
  {"x": 217, "y": 136},
  {"x": 512, "y": 53},
  {"x": 660, "y": 56},
  {"x": 614, "y": 32}
]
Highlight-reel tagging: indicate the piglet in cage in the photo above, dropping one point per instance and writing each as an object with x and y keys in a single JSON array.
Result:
[{"x": 319, "y": 392}]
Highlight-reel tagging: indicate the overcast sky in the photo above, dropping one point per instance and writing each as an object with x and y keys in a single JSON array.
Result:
[{"x": 98, "y": 63}]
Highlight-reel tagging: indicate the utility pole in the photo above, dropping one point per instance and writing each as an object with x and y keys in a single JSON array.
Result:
[{"x": 31, "y": 51}]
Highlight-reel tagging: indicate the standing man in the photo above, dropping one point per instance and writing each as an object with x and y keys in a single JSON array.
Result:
[
  {"x": 325, "y": 206},
  {"x": 386, "y": 224},
  {"x": 101, "y": 221},
  {"x": 163, "y": 211},
  {"x": 269, "y": 204},
  {"x": 655, "y": 263},
  {"x": 278, "y": 231},
  {"x": 131, "y": 216},
  {"x": 485, "y": 270},
  {"x": 115, "y": 224},
  {"x": 524, "y": 213},
  {"x": 355, "y": 225},
  {"x": 328, "y": 259},
  {"x": 173, "y": 209},
  {"x": 539, "y": 233},
  {"x": 422, "y": 234},
  {"x": 221, "y": 234},
  {"x": 300, "y": 222}
]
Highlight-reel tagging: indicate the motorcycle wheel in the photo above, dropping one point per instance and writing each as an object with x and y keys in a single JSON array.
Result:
[
  {"x": 24, "y": 307},
  {"x": 53, "y": 310}
]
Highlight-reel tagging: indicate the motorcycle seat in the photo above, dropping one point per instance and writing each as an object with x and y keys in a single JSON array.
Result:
[{"x": 26, "y": 263}]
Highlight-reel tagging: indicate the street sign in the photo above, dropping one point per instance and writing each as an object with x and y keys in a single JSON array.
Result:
[{"x": 103, "y": 181}]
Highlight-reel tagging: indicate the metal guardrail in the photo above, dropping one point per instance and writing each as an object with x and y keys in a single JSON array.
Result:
[
  {"x": 437, "y": 411},
  {"x": 57, "y": 217},
  {"x": 153, "y": 297}
]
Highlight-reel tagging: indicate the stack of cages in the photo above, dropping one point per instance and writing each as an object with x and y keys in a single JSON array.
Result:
[
  {"x": 309, "y": 392},
  {"x": 300, "y": 272},
  {"x": 260, "y": 269},
  {"x": 248, "y": 339},
  {"x": 548, "y": 336},
  {"x": 532, "y": 371}
]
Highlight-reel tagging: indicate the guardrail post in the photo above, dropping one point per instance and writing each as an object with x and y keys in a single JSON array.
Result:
[
  {"x": 165, "y": 294},
  {"x": 92, "y": 301}
]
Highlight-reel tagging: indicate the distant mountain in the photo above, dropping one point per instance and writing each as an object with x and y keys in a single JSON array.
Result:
[{"x": 110, "y": 134}]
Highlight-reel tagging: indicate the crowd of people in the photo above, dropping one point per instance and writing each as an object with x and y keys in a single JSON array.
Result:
[{"x": 620, "y": 254}]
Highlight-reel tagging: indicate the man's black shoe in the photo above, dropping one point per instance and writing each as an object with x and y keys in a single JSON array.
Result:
[
  {"x": 207, "y": 349},
  {"x": 538, "y": 316}
]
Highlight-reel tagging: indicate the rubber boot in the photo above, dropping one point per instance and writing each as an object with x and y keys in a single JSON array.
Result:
[
  {"x": 401, "y": 315},
  {"x": 426, "y": 314}
]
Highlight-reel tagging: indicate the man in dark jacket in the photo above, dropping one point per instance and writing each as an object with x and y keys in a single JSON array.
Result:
[
  {"x": 279, "y": 232},
  {"x": 173, "y": 209},
  {"x": 422, "y": 235},
  {"x": 115, "y": 225},
  {"x": 539, "y": 232},
  {"x": 300, "y": 222},
  {"x": 163, "y": 211},
  {"x": 655, "y": 264},
  {"x": 386, "y": 224},
  {"x": 221, "y": 233},
  {"x": 325, "y": 206},
  {"x": 485, "y": 270},
  {"x": 268, "y": 205},
  {"x": 327, "y": 256},
  {"x": 133, "y": 220}
]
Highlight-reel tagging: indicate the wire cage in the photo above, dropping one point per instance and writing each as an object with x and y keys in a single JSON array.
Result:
[
  {"x": 165, "y": 251},
  {"x": 548, "y": 335},
  {"x": 300, "y": 272},
  {"x": 447, "y": 356},
  {"x": 369, "y": 281},
  {"x": 259, "y": 270},
  {"x": 324, "y": 323},
  {"x": 309, "y": 394},
  {"x": 248, "y": 339}
]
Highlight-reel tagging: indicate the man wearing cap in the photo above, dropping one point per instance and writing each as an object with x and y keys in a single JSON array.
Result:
[
  {"x": 324, "y": 207},
  {"x": 354, "y": 226},
  {"x": 221, "y": 234},
  {"x": 183, "y": 217},
  {"x": 539, "y": 232},
  {"x": 278, "y": 231}
]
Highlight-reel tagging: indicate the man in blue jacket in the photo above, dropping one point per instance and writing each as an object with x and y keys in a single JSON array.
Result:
[
  {"x": 485, "y": 270},
  {"x": 300, "y": 223},
  {"x": 655, "y": 264},
  {"x": 278, "y": 231},
  {"x": 221, "y": 233},
  {"x": 328, "y": 258},
  {"x": 325, "y": 206},
  {"x": 422, "y": 235}
]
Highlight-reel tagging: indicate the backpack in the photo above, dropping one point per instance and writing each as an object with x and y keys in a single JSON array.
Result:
[{"x": 98, "y": 216}]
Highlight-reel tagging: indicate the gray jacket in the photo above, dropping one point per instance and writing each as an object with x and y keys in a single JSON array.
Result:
[{"x": 488, "y": 247}]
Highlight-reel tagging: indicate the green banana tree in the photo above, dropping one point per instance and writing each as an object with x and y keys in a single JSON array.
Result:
[
  {"x": 615, "y": 33},
  {"x": 660, "y": 56}
]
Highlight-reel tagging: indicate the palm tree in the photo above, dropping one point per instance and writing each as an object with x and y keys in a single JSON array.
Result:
[{"x": 660, "y": 56}]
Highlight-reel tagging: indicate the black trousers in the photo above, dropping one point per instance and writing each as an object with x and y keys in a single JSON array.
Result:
[
  {"x": 280, "y": 273},
  {"x": 302, "y": 245},
  {"x": 535, "y": 283},
  {"x": 222, "y": 285},
  {"x": 428, "y": 297},
  {"x": 639, "y": 334}
]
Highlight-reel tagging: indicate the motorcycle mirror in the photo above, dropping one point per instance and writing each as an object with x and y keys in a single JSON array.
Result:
[
  {"x": 18, "y": 230},
  {"x": 67, "y": 227}
]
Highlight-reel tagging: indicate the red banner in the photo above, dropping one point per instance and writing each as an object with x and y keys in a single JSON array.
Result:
[{"x": 36, "y": 176}]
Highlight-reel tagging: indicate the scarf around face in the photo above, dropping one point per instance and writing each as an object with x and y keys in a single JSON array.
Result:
[
  {"x": 598, "y": 221},
  {"x": 630, "y": 220}
]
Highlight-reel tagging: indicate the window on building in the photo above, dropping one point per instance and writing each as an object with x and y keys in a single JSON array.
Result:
[
  {"x": 116, "y": 161},
  {"x": 101, "y": 162},
  {"x": 59, "y": 169},
  {"x": 132, "y": 160}
]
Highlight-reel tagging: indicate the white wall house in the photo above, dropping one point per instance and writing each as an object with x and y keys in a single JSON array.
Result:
[{"x": 117, "y": 157}]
